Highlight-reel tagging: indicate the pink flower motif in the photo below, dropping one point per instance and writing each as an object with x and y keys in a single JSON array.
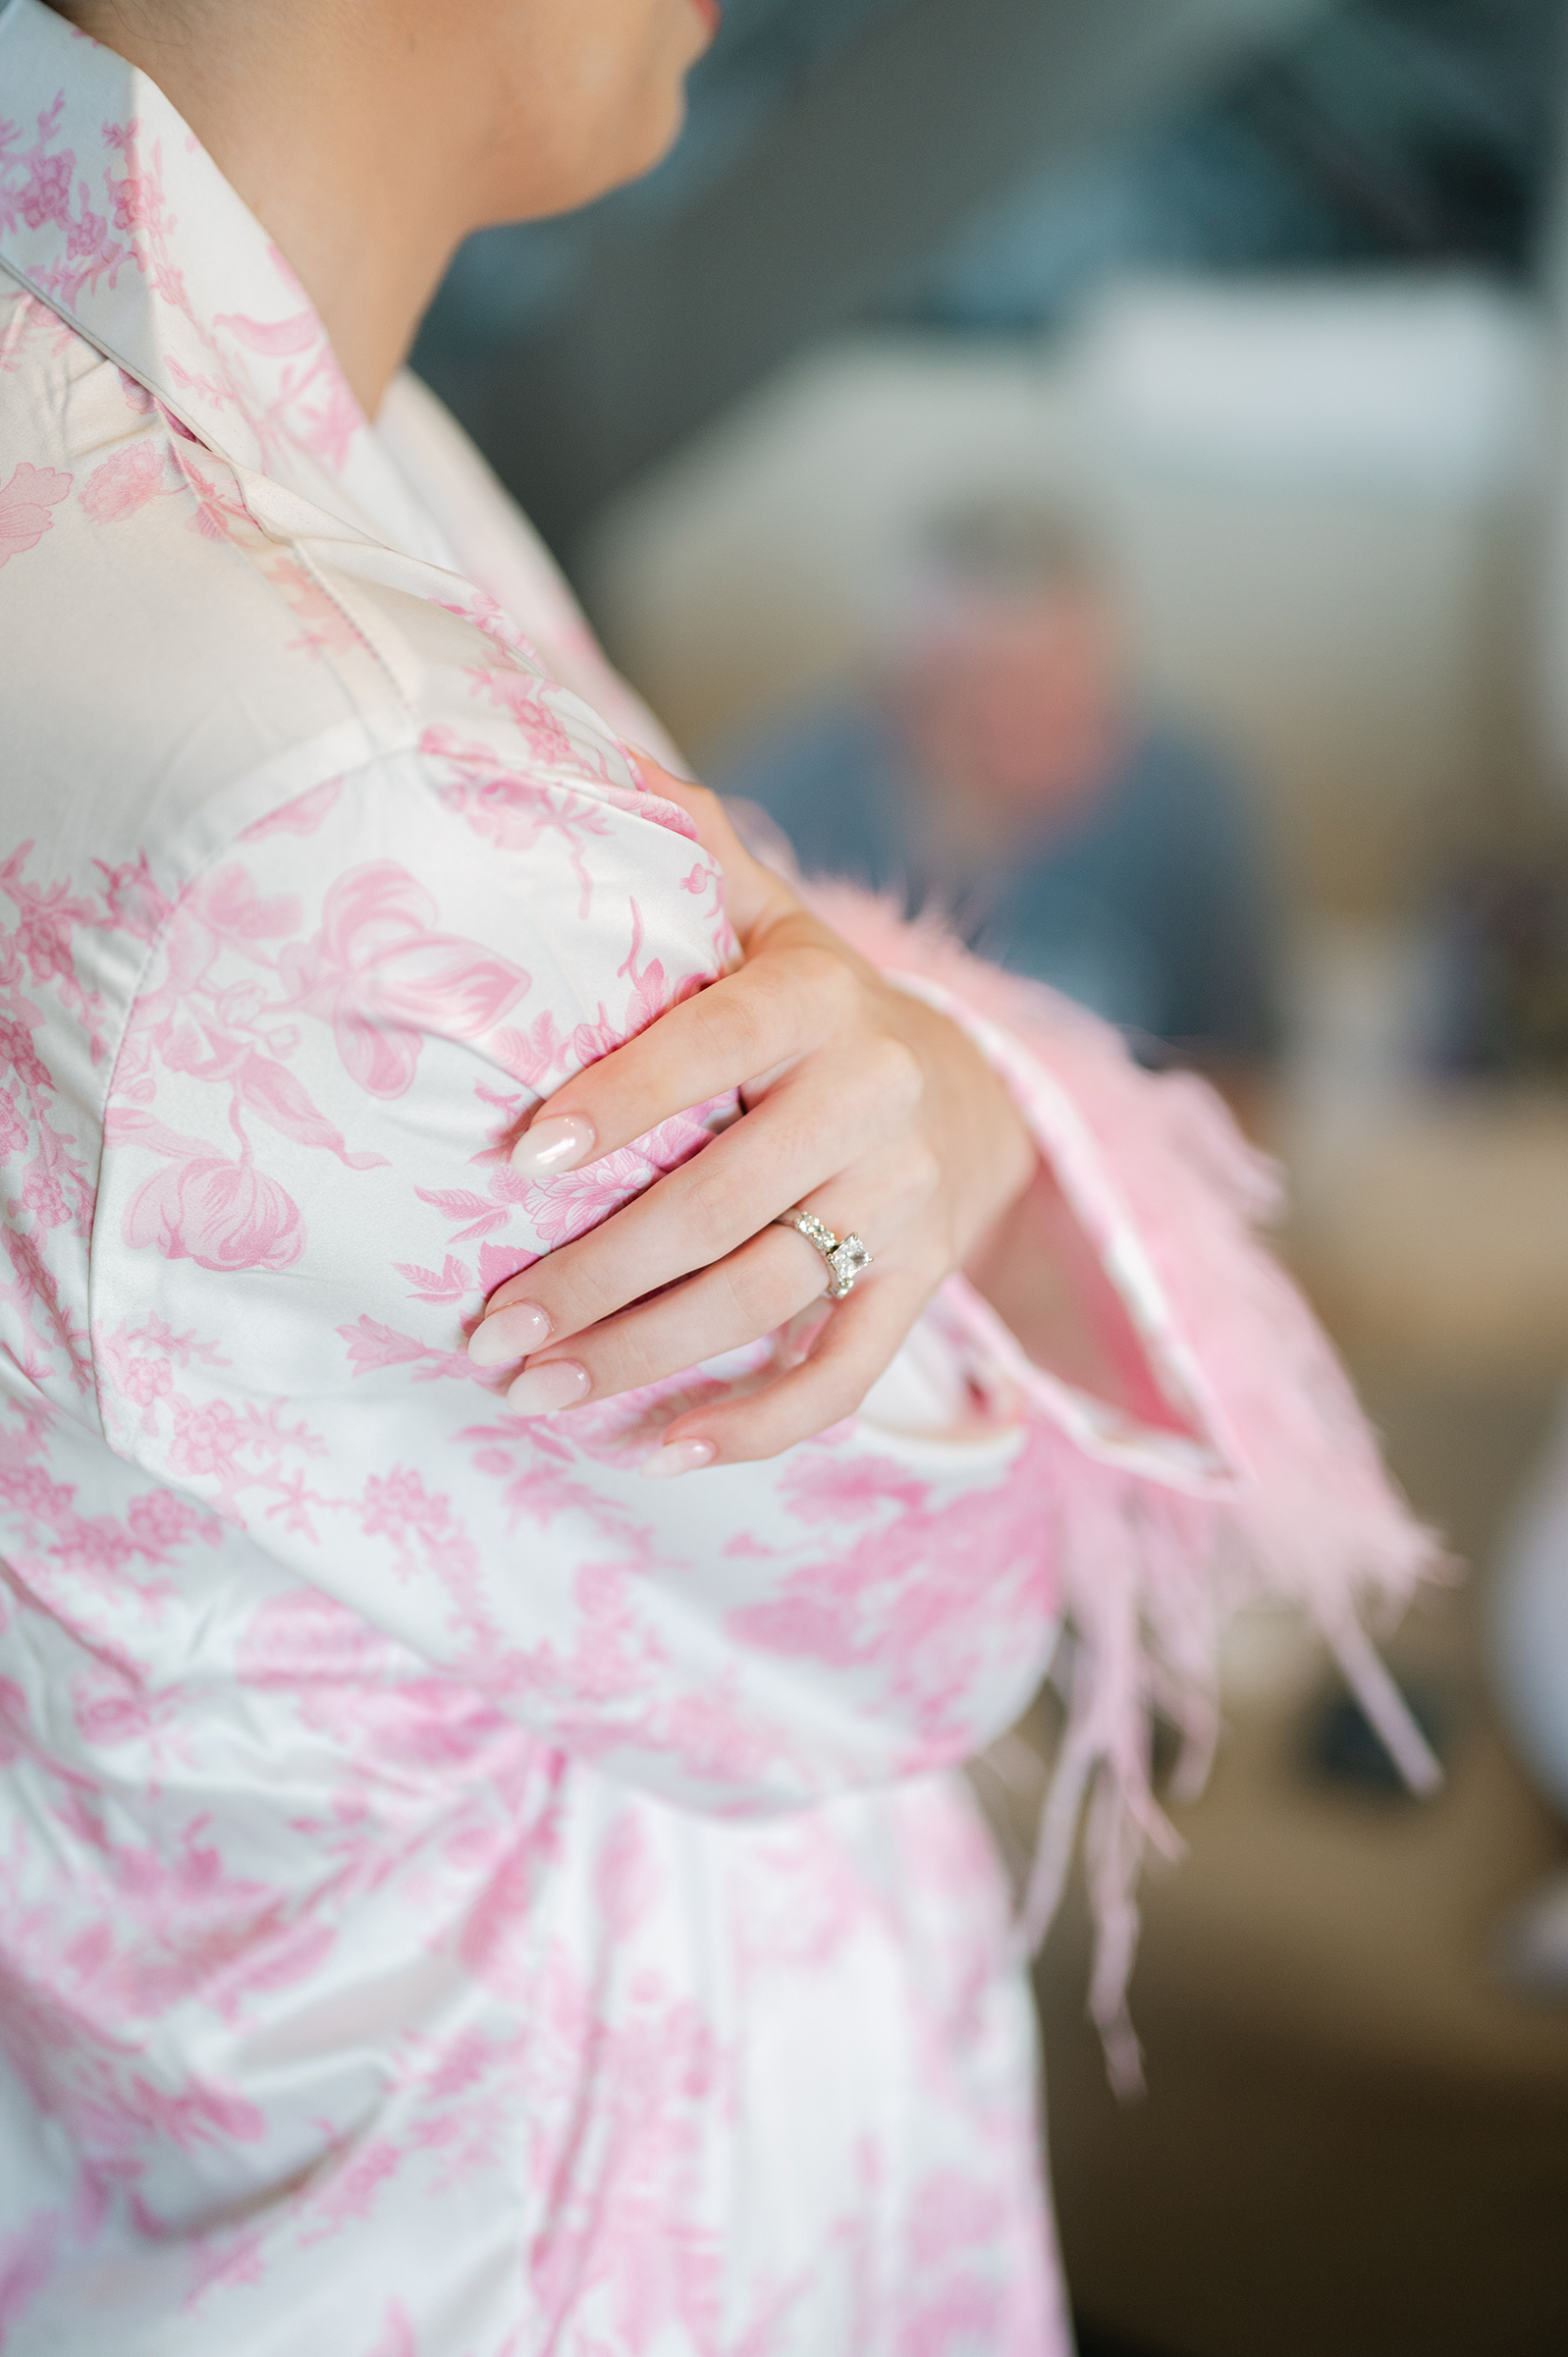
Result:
[
  {"x": 400, "y": 1501},
  {"x": 329, "y": 430},
  {"x": 18, "y": 1055},
  {"x": 44, "y": 1198},
  {"x": 87, "y": 239},
  {"x": 136, "y": 201},
  {"x": 563, "y": 1208},
  {"x": 107, "y": 1710},
  {"x": 25, "y": 503},
  {"x": 12, "y": 1129},
  {"x": 124, "y": 483},
  {"x": 160, "y": 1520},
  {"x": 135, "y": 901},
  {"x": 47, "y": 195},
  {"x": 222, "y": 1214},
  {"x": 207, "y": 1441},
  {"x": 531, "y": 701},
  {"x": 567, "y": 1207},
  {"x": 145, "y": 1380},
  {"x": 383, "y": 975},
  {"x": 44, "y": 938}
]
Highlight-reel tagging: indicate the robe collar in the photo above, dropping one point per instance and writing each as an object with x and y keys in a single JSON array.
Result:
[{"x": 113, "y": 214}]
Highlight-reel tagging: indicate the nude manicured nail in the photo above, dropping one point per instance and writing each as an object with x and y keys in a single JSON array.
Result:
[
  {"x": 558, "y": 1144},
  {"x": 679, "y": 1456},
  {"x": 539, "y": 1389},
  {"x": 508, "y": 1334}
]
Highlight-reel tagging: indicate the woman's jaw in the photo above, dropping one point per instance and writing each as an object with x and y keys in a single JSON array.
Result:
[{"x": 370, "y": 137}]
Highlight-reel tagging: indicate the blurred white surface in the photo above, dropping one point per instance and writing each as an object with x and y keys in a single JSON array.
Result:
[
  {"x": 1429, "y": 387},
  {"x": 1317, "y": 497}
]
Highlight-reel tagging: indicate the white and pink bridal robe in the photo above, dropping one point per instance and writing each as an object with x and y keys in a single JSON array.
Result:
[{"x": 456, "y": 1897}]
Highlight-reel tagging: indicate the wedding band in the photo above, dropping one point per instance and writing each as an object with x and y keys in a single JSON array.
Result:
[{"x": 846, "y": 1257}]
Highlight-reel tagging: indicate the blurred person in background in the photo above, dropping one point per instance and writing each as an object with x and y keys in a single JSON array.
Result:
[{"x": 996, "y": 766}]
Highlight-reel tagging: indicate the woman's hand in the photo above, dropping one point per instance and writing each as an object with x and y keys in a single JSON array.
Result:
[{"x": 863, "y": 1106}]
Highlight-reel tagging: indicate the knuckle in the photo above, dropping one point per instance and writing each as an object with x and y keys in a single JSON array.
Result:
[
  {"x": 580, "y": 1282},
  {"x": 832, "y": 983},
  {"x": 897, "y": 1071},
  {"x": 745, "y": 1024},
  {"x": 626, "y": 1359},
  {"x": 715, "y": 1205},
  {"x": 760, "y": 1293},
  {"x": 714, "y": 1015},
  {"x": 919, "y": 1175}
]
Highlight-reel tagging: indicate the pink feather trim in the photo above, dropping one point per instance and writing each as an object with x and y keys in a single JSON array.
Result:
[{"x": 1278, "y": 1493}]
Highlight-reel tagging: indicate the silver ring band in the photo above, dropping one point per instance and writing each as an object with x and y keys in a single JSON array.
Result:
[{"x": 847, "y": 1256}]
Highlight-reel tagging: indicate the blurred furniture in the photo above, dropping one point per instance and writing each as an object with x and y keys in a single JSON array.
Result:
[
  {"x": 1433, "y": 1232},
  {"x": 1318, "y": 495}
]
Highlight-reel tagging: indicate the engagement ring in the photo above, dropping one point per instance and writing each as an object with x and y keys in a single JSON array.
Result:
[{"x": 847, "y": 1259}]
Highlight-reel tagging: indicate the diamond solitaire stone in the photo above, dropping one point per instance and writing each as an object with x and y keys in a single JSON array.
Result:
[
  {"x": 846, "y": 1258},
  {"x": 847, "y": 1261}
]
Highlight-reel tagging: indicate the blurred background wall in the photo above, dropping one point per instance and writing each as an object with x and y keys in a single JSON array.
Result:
[{"x": 1271, "y": 299}]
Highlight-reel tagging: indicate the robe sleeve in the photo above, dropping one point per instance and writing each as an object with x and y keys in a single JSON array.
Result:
[{"x": 305, "y": 1198}]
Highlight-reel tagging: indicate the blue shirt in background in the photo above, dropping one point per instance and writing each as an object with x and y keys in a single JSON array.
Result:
[{"x": 1150, "y": 905}]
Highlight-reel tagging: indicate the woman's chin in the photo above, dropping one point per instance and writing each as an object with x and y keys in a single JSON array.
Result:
[
  {"x": 662, "y": 137},
  {"x": 632, "y": 157}
]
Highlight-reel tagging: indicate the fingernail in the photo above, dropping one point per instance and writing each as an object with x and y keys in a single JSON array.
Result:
[
  {"x": 558, "y": 1144},
  {"x": 509, "y": 1332},
  {"x": 539, "y": 1389},
  {"x": 679, "y": 1456}
]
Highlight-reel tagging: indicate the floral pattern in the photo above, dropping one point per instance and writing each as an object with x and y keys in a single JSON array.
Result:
[
  {"x": 456, "y": 1900},
  {"x": 25, "y": 502}
]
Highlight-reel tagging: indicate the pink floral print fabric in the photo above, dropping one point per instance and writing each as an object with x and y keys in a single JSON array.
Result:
[{"x": 455, "y": 1899}]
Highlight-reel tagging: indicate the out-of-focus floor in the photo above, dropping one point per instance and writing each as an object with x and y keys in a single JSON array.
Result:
[{"x": 1354, "y": 2140}]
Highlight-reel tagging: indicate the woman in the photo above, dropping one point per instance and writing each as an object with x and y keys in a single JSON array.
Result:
[{"x": 458, "y": 1896}]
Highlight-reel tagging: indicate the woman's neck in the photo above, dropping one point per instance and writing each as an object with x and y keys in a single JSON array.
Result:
[{"x": 331, "y": 143}]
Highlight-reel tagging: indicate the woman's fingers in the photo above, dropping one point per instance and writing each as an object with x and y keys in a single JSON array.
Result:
[
  {"x": 736, "y": 1031},
  {"x": 831, "y": 1352},
  {"x": 858, "y": 1342},
  {"x": 750, "y": 1294},
  {"x": 697, "y": 1216},
  {"x": 862, "y": 1105}
]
